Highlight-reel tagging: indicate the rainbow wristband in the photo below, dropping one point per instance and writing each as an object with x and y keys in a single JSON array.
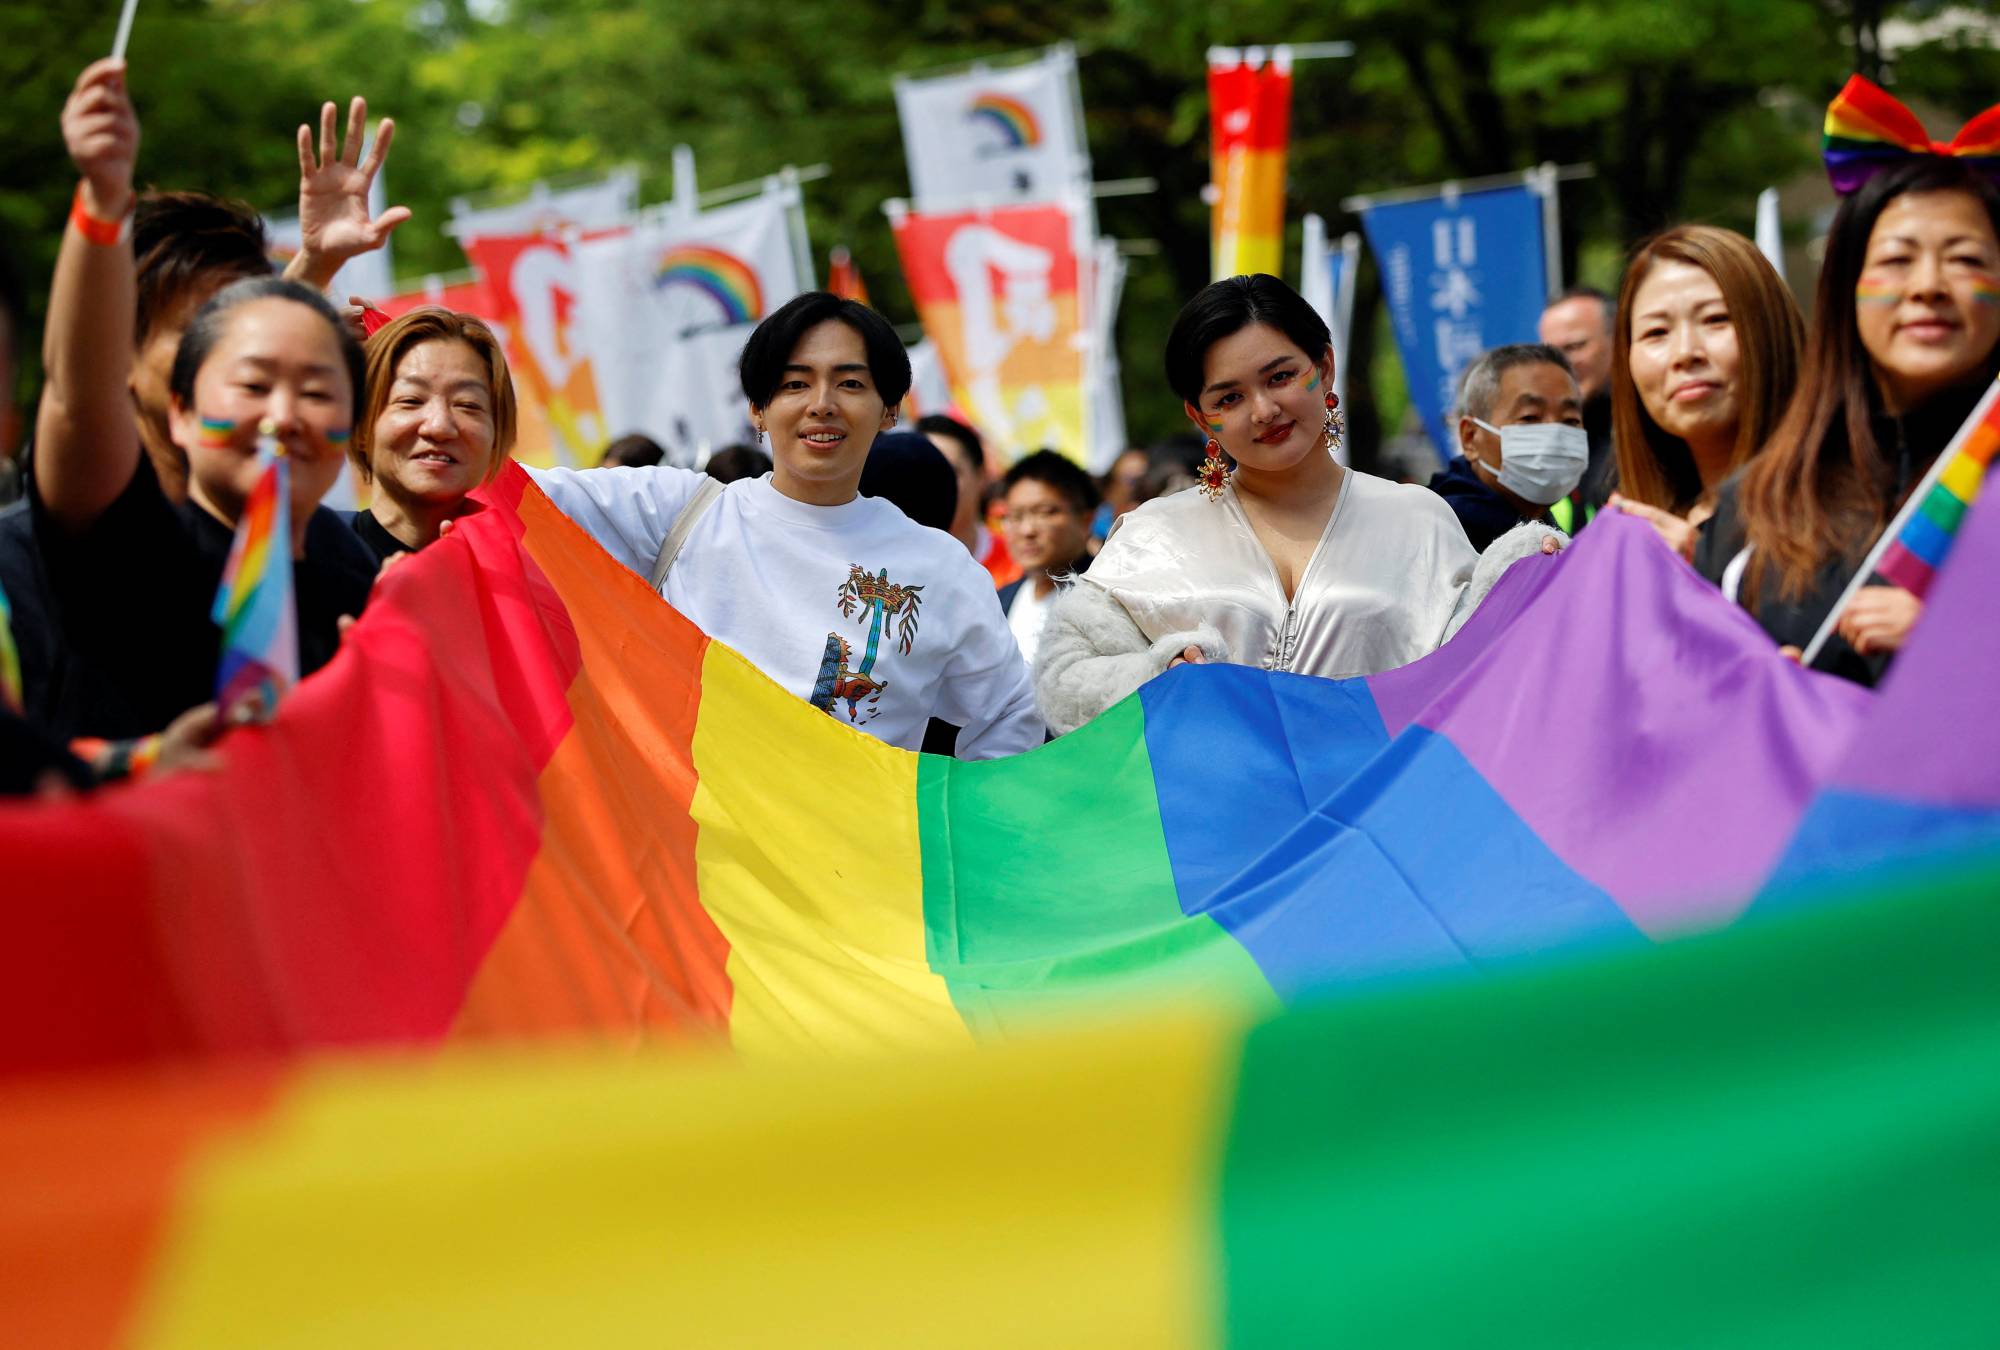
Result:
[
  {"x": 103, "y": 233},
  {"x": 113, "y": 760}
]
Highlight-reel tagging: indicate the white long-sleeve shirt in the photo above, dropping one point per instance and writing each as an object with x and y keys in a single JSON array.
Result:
[{"x": 855, "y": 608}]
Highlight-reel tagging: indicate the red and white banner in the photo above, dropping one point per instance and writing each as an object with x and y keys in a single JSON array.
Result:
[
  {"x": 531, "y": 294},
  {"x": 1002, "y": 294}
]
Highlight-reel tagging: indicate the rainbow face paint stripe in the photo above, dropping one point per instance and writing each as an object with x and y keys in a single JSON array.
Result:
[
  {"x": 340, "y": 437},
  {"x": 1986, "y": 290},
  {"x": 1313, "y": 383},
  {"x": 215, "y": 433},
  {"x": 1865, "y": 294}
]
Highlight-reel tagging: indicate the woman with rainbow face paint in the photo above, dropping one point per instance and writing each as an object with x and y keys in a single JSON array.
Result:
[
  {"x": 1905, "y": 340},
  {"x": 133, "y": 574},
  {"x": 1287, "y": 560}
]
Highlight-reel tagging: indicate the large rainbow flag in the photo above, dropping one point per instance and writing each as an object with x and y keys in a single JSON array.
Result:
[
  {"x": 572, "y": 813},
  {"x": 555, "y": 806}
]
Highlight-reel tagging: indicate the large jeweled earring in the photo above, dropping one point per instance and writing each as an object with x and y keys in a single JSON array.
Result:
[
  {"x": 1336, "y": 424},
  {"x": 1214, "y": 472}
]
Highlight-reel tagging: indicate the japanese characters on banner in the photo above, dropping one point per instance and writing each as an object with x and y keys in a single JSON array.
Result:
[
  {"x": 988, "y": 136},
  {"x": 1461, "y": 272},
  {"x": 1327, "y": 273},
  {"x": 666, "y": 307},
  {"x": 1002, "y": 295},
  {"x": 531, "y": 294},
  {"x": 1250, "y": 122}
]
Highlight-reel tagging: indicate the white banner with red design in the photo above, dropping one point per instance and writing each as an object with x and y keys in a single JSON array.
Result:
[
  {"x": 666, "y": 307},
  {"x": 531, "y": 295},
  {"x": 995, "y": 135},
  {"x": 1005, "y": 295}
]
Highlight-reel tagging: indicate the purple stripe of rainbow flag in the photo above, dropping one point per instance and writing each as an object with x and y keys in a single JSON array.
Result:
[{"x": 1919, "y": 548}]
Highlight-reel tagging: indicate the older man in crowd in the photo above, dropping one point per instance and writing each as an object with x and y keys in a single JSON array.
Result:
[{"x": 1521, "y": 441}]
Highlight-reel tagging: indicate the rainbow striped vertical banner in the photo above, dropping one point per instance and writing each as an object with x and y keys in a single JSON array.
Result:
[
  {"x": 1915, "y": 543},
  {"x": 254, "y": 606},
  {"x": 1250, "y": 122}
]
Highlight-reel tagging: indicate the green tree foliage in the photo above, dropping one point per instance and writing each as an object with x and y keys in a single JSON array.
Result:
[{"x": 1685, "y": 110}]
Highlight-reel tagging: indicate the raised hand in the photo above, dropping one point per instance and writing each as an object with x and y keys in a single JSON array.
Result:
[
  {"x": 334, "y": 224},
  {"x": 101, "y": 132}
]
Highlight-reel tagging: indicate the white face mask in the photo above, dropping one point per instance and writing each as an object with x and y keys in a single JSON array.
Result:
[{"x": 1541, "y": 462}]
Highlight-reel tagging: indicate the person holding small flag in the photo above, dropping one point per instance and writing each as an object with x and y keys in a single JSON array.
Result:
[
  {"x": 266, "y": 368},
  {"x": 1904, "y": 345}
]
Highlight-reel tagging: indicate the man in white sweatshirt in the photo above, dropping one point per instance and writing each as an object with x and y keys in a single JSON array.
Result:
[{"x": 840, "y": 598}]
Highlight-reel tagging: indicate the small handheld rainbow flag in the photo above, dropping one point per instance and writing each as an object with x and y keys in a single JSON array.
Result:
[
  {"x": 1915, "y": 543},
  {"x": 254, "y": 606},
  {"x": 10, "y": 658}
]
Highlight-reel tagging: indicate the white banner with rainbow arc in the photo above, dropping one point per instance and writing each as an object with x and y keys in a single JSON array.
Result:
[
  {"x": 666, "y": 306},
  {"x": 990, "y": 137}
]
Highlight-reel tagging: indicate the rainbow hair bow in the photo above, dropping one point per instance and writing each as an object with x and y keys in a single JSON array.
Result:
[{"x": 1868, "y": 130}]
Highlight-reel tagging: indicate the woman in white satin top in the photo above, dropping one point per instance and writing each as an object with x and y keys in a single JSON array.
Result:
[{"x": 1291, "y": 562}]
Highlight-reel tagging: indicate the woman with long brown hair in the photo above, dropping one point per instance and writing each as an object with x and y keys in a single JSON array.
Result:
[
  {"x": 1905, "y": 339},
  {"x": 1705, "y": 354}
]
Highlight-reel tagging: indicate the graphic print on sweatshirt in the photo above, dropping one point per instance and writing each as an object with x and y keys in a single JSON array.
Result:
[{"x": 879, "y": 602}]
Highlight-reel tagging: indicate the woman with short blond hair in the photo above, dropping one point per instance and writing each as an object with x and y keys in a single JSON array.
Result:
[{"x": 438, "y": 422}]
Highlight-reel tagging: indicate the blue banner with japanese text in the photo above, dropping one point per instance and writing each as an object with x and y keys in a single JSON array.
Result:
[{"x": 1461, "y": 272}]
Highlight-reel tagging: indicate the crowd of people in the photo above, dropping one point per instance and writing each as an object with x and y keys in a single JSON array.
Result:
[{"x": 902, "y": 581}]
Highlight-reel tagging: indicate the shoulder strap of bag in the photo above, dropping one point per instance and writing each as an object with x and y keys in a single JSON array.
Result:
[{"x": 683, "y": 526}]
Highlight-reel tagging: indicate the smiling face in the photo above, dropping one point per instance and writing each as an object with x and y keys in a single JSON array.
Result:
[
  {"x": 433, "y": 440},
  {"x": 824, "y": 416},
  {"x": 274, "y": 360},
  {"x": 1263, "y": 399},
  {"x": 1684, "y": 358},
  {"x": 1927, "y": 303}
]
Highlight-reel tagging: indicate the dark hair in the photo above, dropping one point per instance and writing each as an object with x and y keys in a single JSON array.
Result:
[
  {"x": 633, "y": 451},
  {"x": 1171, "y": 464},
  {"x": 938, "y": 424},
  {"x": 1229, "y": 306},
  {"x": 1654, "y": 466},
  {"x": 1061, "y": 473},
  {"x": 907, "y": 471},
  {"x": 1480, "y": 384},
  {"x": 770, "y": 348},
  {"x": 206, "y": 328},
  {"x": 1822, "y": 485},
  {"x": 180, "y": 239},
  {"x": 732, "y": 462}
]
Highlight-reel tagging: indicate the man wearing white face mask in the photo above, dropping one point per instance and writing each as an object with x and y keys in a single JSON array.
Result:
[{"x": 1521, "y": 438}]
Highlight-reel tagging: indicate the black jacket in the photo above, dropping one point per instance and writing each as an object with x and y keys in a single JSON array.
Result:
[
  {"x": 1912, "y": 443},
  {"x": 1484, "y": 513}
]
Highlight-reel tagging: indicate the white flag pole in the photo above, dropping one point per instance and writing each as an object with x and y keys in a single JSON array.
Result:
[
  {"x": 1770, "y": 230},
  {"x": 124, "y": 30},
  {"x": 1895, "y": 526}
]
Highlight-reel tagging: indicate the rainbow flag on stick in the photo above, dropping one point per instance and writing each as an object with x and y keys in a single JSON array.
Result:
[
  {"x": 1915, "y": 543},
  {"x": 255, "y": 607}
]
